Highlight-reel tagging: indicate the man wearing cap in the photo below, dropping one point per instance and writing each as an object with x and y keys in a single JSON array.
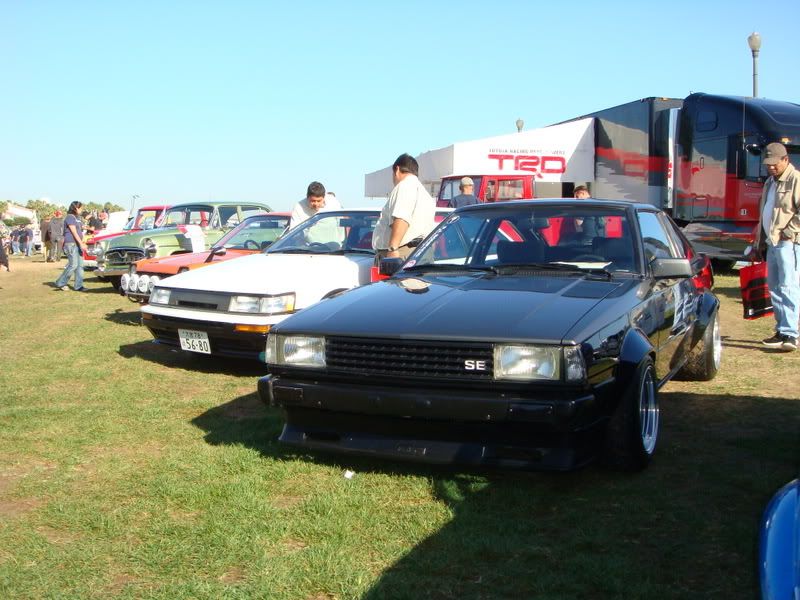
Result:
[
  {"x": 408, "y": 215},
  {"x": 467, "y": 195},
  {"x": 56, "y": 236},
  {"x": 779, "y": 234}
]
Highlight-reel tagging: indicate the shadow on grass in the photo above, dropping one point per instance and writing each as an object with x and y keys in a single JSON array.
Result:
[
  {"x": 684, "y": 528},
  {"x": 125, "y": 317},
  {"x": 191, "y": 361}
]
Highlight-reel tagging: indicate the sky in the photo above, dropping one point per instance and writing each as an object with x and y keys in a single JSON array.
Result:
[{"x": 175, "y": 101}]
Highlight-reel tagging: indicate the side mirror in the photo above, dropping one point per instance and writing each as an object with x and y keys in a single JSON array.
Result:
[
  {"x": 670, "y": 268},
  {"x": 390, "y": 266},
  {"x": 216, "y": 251}
]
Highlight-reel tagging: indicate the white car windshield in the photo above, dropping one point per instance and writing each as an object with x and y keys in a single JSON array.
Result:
[{"x": 330, "y": 233}]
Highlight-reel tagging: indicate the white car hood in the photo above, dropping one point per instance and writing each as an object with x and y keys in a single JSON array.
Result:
[{"x": 310, "y": 276}]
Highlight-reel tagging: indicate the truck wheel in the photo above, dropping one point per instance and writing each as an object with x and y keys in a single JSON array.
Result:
[
  {"x": 115, "y": 281},
  {"x": 632, "y": 432},
  {"x": 704, "y": 359}
]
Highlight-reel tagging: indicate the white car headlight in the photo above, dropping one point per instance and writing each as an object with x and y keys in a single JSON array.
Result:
[
  {"x": 269, "y": 305},
  {"x": 154, "y": 279},
  {"x": 133, "y": 282},
  {"x": 276, "y": 305},
  {"x": 144, "y": 282},
  {"x": 245, "y": 304},
  {"x": 296, "y": 350},
  {"x": 525, "y": 363},
  {"x": 124, "y": 281},
  {"x": 159, "y": 296}
]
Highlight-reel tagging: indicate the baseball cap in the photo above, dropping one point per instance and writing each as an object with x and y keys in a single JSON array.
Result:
[
  {"x": 467, "y": 181},
  {"x": 773, "y": 153}
]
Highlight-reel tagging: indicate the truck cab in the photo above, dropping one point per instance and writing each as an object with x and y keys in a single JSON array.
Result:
[{"x": 488, "y": 188}]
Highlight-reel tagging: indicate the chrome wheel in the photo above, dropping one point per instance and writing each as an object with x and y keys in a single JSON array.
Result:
[{"x": 648, "y": 411}]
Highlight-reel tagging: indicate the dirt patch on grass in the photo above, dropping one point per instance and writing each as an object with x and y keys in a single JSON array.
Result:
[
  {"x": 11, "y": 509},
  {"x": 59, "y": 537},
  {"x": 286, "y": 501},
  {"x": 232, "y": 576},
  {"x": 293, "y": 545}
]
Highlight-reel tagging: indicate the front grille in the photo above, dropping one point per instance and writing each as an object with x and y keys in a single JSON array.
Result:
[
  {"x": 410, "y": 358},
  {"x": 199, "y": 300},
  {"x": 124, "y": 255}
]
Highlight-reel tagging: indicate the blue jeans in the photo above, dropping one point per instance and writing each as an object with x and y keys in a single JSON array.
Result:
[
  {"x": 29, "y": 248},
  {"x": 74, "y": 265},
  {"x": 783, "y": 279},
  {"x": 14, "y": 247}
]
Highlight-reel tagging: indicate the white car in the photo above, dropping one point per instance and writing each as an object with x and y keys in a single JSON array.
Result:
[{"x": 227, "y": 309}]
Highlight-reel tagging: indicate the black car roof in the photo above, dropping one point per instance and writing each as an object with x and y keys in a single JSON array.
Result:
[{"x": 598, "y": 202}]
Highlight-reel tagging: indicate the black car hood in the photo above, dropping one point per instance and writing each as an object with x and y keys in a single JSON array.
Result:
[{"x": 475, "y": 307}]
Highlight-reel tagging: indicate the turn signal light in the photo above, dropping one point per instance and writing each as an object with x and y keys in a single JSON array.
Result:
[{"x": 252, "y": 328}]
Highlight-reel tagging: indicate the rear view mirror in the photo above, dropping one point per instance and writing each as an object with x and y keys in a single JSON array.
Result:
[{"x": 669, "y": 268}]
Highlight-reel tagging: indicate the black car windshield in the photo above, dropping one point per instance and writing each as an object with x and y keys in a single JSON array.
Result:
[
  {"x": 255, "y": 233},
  {"x": 332, "y": 232},
  {"x": 577, "y": 236}
]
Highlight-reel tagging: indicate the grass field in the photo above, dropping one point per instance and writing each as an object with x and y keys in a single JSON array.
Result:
[{"x": 128, "y": 470}]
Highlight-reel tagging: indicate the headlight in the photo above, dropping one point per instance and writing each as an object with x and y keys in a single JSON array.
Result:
[
  {"x": 159, "y": 296},
  {"x": 154, "y": 279},
  {"x": 124, "y": 281},
  {"x": 296, "y": 350},
  {"x": 574, "y": 365},
  {"x": 270, "y": 305},
  {"x": 133, "y": 282},
  {"x": 144, "y": 282},
  {"x": 525, "y": 363}
]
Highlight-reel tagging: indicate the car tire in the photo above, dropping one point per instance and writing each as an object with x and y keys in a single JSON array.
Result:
[
  {"x": 704, "y": 359},
  {"x": 632, "y": 432}
]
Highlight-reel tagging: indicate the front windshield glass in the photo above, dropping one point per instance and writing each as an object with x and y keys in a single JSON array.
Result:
[
  {"x": 255, "y": 233},
  {"x": 145, "y": 219},
  {"x": 197, "y": 214},
  {"x": 573, "y": 236},
  {"x": 330, "y": 232}
]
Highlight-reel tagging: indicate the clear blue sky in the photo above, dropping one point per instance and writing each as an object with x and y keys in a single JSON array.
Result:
[{"x": 178, "y": 101}]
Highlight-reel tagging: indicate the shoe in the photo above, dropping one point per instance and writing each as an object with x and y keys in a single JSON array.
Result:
[
  {"x": 789, "y": 343},
  {"x": 63, "y": 288},
  {"x": 82, "y": 289},
  {"x": 773, "y": 342}
]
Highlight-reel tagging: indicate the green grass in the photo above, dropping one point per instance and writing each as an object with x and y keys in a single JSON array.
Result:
[{"x": 130, "y": 471}]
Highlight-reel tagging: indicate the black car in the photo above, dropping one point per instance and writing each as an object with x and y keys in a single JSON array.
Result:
[{"x": 518, "y": 334}]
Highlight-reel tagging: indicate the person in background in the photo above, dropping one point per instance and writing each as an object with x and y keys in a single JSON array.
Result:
[
  {"x": 408, "y": 215},
  {"x": 590, "y": 227},
  {"x": 467, "y": 195},
  {"x": 74, "y": 247},
  {"x": 95, "y": 222},
  {"x": 44, "y": 230},
  {"x": 26, "y": 240},
  {"x": 778, "y": 236},
  {"x": 56, "y": 229},
  {"x": 15, "y": 240},
  {"x": 3, "y": 253},
  {"x": 316, "y": 200}
]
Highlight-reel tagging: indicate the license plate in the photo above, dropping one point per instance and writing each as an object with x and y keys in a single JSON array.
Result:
[{"x": 194, "y": 341}]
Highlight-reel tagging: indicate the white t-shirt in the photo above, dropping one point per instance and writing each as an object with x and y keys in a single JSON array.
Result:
[
  {"x": 769, "y": 208},
  {"x": 410, "y": 201},
  {"x": 303, "y": 211}
]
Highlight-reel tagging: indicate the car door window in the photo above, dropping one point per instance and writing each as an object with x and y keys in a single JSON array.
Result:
[
  {"x": 510, "y": 189},
  {"x": 655, "y": 240},
  {"x": 228, "y": 216}
]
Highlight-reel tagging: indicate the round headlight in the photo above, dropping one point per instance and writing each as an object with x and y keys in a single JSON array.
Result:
[
  {"x": 144, "y": 282},
  {"x": 153, "y": 281},
  {"x": 124, "y": 281},
  {"x": 133, "y": 283}
]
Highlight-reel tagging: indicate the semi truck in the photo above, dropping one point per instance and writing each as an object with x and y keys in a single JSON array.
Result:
[{"x": 697, "y": 157}]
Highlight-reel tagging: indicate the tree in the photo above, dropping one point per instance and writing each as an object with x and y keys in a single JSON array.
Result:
[{"x": 43, "y": 208}]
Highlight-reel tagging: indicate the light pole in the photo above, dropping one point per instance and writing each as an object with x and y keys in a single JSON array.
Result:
[
  {"x": 520, "y": 124},
  {"x": 134, "y": 198},
  {"x": 754, "y": 41}
]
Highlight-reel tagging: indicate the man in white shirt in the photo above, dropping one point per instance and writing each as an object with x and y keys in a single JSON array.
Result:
[
  {"x": 408, "y": 215},
  {"x": 779, "y": 234},
  {"x": 316, "y": 200}
]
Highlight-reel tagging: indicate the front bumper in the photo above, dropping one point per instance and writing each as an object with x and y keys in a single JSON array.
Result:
[
  {"x": 223, "y": 338},
  {"x": 444, "y": 426}
]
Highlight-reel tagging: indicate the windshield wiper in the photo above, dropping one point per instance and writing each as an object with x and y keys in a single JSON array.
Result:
[
  {"x": 558, "y": 267},
  {"x": 296, "y": 250},
  {"x": 451, "y": 267},
  {"x": 354, "y": 251}
]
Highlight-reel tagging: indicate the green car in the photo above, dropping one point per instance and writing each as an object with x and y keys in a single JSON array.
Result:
[{"x": 184, "y": 228}]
